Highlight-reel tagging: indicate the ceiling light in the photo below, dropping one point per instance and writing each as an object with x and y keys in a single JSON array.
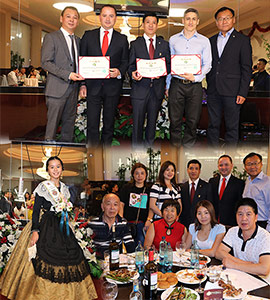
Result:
[
  {"x": 176, "y": 12},
  {"x": 82, "y": 6}
]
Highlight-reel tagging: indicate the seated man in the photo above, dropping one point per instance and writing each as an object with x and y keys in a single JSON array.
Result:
[
  {"x": 101, "y": 226},
  {"x": 250, "y": 243}
]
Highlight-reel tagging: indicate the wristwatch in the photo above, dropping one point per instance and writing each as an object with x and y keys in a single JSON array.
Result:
[{"x": 151, "y": 220}]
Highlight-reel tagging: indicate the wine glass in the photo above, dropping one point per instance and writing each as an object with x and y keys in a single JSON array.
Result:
[
  {"x": 180, "y": 248},
  {"x": 109, "y": 290},
  {"x": 213, "y": 273},
  {"x": 200, "y": 272}
]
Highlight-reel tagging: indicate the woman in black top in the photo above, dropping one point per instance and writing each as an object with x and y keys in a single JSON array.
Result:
[{"x": 134, "y": 198}]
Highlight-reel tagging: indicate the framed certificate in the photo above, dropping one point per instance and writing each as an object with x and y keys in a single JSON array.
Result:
[
  {"x": 94, "y": 67},
  {"x": 151, "y": 68},
  {"x": 189, "y": 63}
]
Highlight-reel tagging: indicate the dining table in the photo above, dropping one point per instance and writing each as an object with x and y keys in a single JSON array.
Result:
[{"x": 124, "y": 290}]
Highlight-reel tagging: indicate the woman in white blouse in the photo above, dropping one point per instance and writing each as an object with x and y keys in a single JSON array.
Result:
[{"x": 206, "y": 230}]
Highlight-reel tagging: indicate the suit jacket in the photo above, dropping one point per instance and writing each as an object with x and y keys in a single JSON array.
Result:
[
  {"x": 5, "y": 206},
  {"x": 118, "y": 52},
  {"x": 225, "y": 208},
  {"x": 188, "y": 212},
  {"x": 138, "y": 49},
  {"x": 231, "y": 73},
  {"x": 56, "y": 59}
]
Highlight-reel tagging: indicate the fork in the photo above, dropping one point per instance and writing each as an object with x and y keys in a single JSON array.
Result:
[{"x": 228, "y": 280}]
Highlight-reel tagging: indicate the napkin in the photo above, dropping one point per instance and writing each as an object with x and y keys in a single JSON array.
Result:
[
  {"x": 32, "y": 251},
  {"x": 212, "y": 291}
]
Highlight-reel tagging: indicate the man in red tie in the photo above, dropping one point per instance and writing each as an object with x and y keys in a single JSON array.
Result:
[
  {"x": 147, "y": 93},
  {"x": 104, "y": 93},
  {"x": 224, "y": 190},
  {"x": 192, "y": 191}
]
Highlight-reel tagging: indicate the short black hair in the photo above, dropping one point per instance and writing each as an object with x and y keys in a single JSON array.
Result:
[
  {"x": 108, "y": 5},
  {"x": 226, "y": 155},
  {"x": 223, "y": 9},
  {"x": 247, "y": 202},
  {"x": 251, "y": 154},
  {"x": 54, "y": 158},
  {"x": 193, "y": 10},
  {"x": 150, "y": 14},
  {"x": 171, "y": 202},
  {"x": 70, "y": 7},
  {"x": 194, "y": 161},
  {"x": 263, "y": 60}
]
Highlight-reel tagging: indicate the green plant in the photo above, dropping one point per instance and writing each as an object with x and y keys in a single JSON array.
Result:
[
  {"x": 153, "y": 164},
  {"x": 266, "y": 46},
  {"x": 16, "y": 60}
]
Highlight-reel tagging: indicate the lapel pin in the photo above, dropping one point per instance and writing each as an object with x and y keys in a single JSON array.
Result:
[
  {"x": 160, "y": 53},
  {"x": 199, "y": 196}
]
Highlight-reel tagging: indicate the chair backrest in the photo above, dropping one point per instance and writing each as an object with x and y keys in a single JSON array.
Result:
[{"x": 4, "y": 81}]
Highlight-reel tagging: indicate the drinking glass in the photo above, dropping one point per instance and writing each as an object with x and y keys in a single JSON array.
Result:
[
  {"x": 180, "y": 248},
  {"x": 213, "y": 273},
  {"x": 109, "y": 290},
  {"x": 200, "y": 272}
]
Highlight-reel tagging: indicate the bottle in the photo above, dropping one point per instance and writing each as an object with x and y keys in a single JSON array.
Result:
[
  {"x": 114, "y": 252},
  {"x": 135, "y": 294},
  {"x": 139, "y": 257},
  {"x": 162, "y": 251},
  {"x": 150, "y": 277},
  {"x": 194, "y": 254},
  {"x": 169, "y": 258}
]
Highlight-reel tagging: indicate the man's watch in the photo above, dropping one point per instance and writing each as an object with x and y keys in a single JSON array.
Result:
[{"x": 151, "y": 220}]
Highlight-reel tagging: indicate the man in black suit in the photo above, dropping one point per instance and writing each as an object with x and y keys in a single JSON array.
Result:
[
  {"x": 104, "y": 92},
  {"x": 192, "y": 191},
  {"x": 147, "y": 93},
  {"x": 261, "y": 77},
  {"x": 224, "y": 190},
  {"x": 229, "y": 79},
  {"x": 6, "y": 204}
]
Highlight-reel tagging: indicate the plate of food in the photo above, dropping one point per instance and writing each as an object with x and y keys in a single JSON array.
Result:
[
  {"x": 181, "y": 292},
  {"x": 230, "y": 291},
  {"x": 166, "y": 280},
  {"x": 184, "y": 261},
  {"x": 188, "y": 276},
  {"x": 121, "y": 276}
]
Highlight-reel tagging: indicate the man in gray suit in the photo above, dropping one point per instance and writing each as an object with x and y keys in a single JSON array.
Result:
[{"x": 59, "y": 57}]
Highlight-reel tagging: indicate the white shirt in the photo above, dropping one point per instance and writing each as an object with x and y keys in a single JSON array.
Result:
[
  {"x": 12, "y": 78},
  {"x": 195, "y": 184},
  {"x": 68, "y": 40},
  {"x": 226, "y": 181},
  {"x": 101, "y": 35},
  {"x": 147, "y": 40}
]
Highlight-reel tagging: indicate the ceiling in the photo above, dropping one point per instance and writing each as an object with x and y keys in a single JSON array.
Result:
[{"x": 42, "y": 12}]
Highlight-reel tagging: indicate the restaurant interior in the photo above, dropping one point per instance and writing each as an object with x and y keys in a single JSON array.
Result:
[{"x": 23, "y": 151}]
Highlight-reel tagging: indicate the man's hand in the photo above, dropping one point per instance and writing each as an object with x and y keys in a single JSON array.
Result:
[
  {"x": 188, "y": 76},
  {"x": 34, "y": 238},
  {"x": 228, "y": 262},
  {"x": 75, "y": 77},
  {"x": 167, "y": 93},
  {"x": 83, "y": 91},
  {"x": 240, "y": 100},
  {"x": 114, "y": 72},
  {"x": 136, "y": 76}
]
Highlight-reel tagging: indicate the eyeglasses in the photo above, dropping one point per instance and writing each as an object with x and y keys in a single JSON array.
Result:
[
  {"x": 255, "y": 164},
  {"x": 227, "y": 19}
]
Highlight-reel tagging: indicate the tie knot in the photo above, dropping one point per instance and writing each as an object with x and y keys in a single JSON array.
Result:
[
  {"x": 71, "y": 36},
  {"x": 193, "y": 183},
  {"x": 224, "y": 179},
  {"x": 106, "y": 32},
  {"x": 151, "y": 40}
]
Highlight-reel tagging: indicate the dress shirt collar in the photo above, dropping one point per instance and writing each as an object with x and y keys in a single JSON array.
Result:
[
  {"x": 102, "y": 30},
  {"x": 147, "y": 38},
  {"x": 259, "y": 176},
  {"x": 227, "y": 178},
  {"x": 194, "y": 35},
  {"x": 196, "y": 182},
  {"x": 227, "y": 33},
  {"x": 65, "y": 33}
]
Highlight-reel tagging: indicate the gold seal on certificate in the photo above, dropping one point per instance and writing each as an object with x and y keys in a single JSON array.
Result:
[
  {"x": 189, "y": 63},
  {"x": 94, "y": 67},
  {"x": 151, "y": 68}
]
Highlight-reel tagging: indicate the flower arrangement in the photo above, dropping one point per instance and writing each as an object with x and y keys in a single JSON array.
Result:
[
  {"x": 63, "y": 204},
  {"x": 9, "y": 234}
]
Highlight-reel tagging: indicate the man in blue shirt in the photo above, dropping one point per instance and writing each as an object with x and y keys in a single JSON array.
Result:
[
  {"x": 258, "y": 188},
  {"x": 185, "y": 93},
  {"x": 229, "y": 79}
]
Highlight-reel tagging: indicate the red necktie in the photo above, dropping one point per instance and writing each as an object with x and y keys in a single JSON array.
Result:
[
  {"x": 192, "y": 192},
  {"x": 151, "y": 49},
  {"x": 105, "y": 43},
  {"x": 222, "y": 188}
]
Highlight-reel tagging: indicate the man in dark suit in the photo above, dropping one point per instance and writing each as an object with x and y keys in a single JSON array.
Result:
[
  {"x": 192, "y": 191},
  {"x": 229, "y": 79},
  {"x": 59, "y": 56},
  {"x": 224, "y": 190},
  {"x": 104, "y": 92},
  {"x": 261, "y": 77},
  {"x": 6, "y": 204},
  {"x": 147, "y": 93}
]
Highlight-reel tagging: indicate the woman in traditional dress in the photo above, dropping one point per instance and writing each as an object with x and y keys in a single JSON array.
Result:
[{"x": 59, "y": 269}]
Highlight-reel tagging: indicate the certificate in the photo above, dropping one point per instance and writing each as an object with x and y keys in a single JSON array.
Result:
[
  {"x": 190, "y": 63},
  {"x": 151, "y": 68},
  {"x": 94, "y": 67}
]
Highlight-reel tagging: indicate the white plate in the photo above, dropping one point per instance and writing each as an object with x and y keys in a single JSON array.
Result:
[
  {"x": 136, "y": 276},
  {"x": 167, "y": 292},
  {"x": 241, "y": 296},
  {"x": 187, "y": 276},
  {"x": 185, "y": 259}
]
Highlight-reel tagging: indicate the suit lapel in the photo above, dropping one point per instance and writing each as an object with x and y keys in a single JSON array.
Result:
[
  {"x": 215, "y": 50},
  {"x": 158, "y": 52},
  {"x": 63, "y": 42},
  {"x": 229, "y": 42}
]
